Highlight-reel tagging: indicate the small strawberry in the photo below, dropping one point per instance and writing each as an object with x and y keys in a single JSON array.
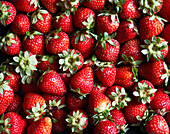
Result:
[
  {"x": 164, "y": 13},
  {"x": 21, "y": 24},
  {"x": 42, "y": 126},
  {"x": 100, "y": 87},
  {"x": 42, "y": 21},
  {"x": 50, "y": 5},
  {"x": 165, "y": 34}
]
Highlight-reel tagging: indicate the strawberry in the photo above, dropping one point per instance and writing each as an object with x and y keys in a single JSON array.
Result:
[
  {"x": 50, "y": 5},
  {"x": 42, "y": 21},
  {"x": 8, "y": 12},
  {"x": 127, "y": 31},
  {"x": 42, "y": 126},
  {"x": 82, "y": 82},
  {"x": 77, "y": 120},
  {"x": 149, "y": 26},
  {"x": 6, "y": 94},
  {"x": 118, "y": 96},
  {"x": 57, "y": 41},
  {"x": 168, "y": 56},
  {"x": 13, "y": 123},
  {"x": 96, "y": 5},
  {"x": 16, "y": 104},
  {"x": 105, "y": 127},
  {"x": 164, "y": 13},
  {"x": 21, "y": 24},
  {"x": 107, "y": 49},
  {"x": 10, "y": 44},
  {"x": 161, "y": 102},
  {"x": 51, "y": 82},
  {"x": 167, "y": 117},
  {"x": 64, "y": 21},
  {"x": 155, "y": 49},
  {"x": 165, "y": 33},
  {"x": 144, "y": 91},
  {"x": 88, "y": 63},
  {"x": 157, "y": 124},
  {"x": 107, "y": 22},
  {"x": 134, "y": 110},
  {"x": 26, "y": 5},
  {"x": 84, "y": 18},
  {"x": 65, "y": 77},
  {"x": 99, "y": 87},
  {"x": 83, "y": 42}
]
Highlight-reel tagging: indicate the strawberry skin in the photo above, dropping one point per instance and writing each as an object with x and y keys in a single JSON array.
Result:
[
  {"x": 165, "y": 33},
  {"x": 164, "y": 13},
  {"x": 167, "y": 117},
  {"x": 49, "y": 97},
  {"x": 50, "y": 5}
]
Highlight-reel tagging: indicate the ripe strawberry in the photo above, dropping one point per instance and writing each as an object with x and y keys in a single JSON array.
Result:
[
  {"x": 21, "y": 24},
  {"x": 167, "y": 117},
  {"x": 107, "y": 49},
  {"x": 157, "y": 124},
  {"x": 26, "y": 5},
  {"x": 84, "y": 18},
  {"x": 105, "y": 127},
  {"x": 42, "y": 126},
  {"x": 96, "y": 5},
  {"x": 155, "y": 49},
  {"x": 13, "y": 123},
  {"x": 107, "y": 22},
  {"x": 50, "y": 5},
  {"x": 49, "y": 97},
  {"x": 161, "y": 102},
  {"x": 99, "y": 87},
  {"x": 165, "y": 34},
  {"x": 16, "y": 104},
  {"x": 8, "y": 13},
  {"x": 77, "y": 120},
  {"x": 65, "y": 77},
  {"x": 82, "y": 82},
  {"x": 168, "y": 56},
  {"x": 83, "y": 42},
  {"x": 57, "y": 41},
  {"x": 98, "y": 102},
  {"x": 149, "y": 26},
  {"x": 51, "y": 82},
  {"x": 88, "y": 63},
  {"x": 65, "y": 21},
  {"x": 127, "y": 31},
  {"x": 144, "y": 91},
  {"x": 164, "y": 13},
  {"x": 42, "y": 21},
  {"x": 134, "y": 110},
  {"x": 10, "y": 44}
]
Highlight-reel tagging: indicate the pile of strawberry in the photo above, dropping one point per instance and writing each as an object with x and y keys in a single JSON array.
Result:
[{"x": 72, "y": 65}]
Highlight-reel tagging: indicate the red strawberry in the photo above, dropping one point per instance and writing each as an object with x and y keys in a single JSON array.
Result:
[
  {"x": 57, "y": 41},
  {"x": 165, "y": 34},
  {"x": 149, "y": 26},
  {"x": 8, "y": 13},
  {"x": 167, "y": 117},
  {"x": 13, "y": 123},
  {"x": 83, "y": 42},
  {"x": 49, "y": 97},
  {"x": 42, "y": 126},
  {"x": 65, "y": 77},
  {"x": 50, "y": 5},
  {"x": 77, "y": 120},
  {"x": 105, "y": 127},
  {"x": 42, "y": 21},
  {"x": 107, "y": 49},
  {"x": 84, "y": 18},
  {"x": 134, "y": 110},
  {"x": 16, "y": 104},
  {"x": 161, "y": 102},
  {"x": 96, "y": 5},
  {"x": 82, "y": 82},
  {"x": 100, "y": 87},
  {"x": 168, "y": 56},
  {"x": 21, "y": 24},
  {"x": 157, "y": 124},
  {"x": 64, "y": 21},
  {"x": 10, "y": 44},
  {"x": 127, "y": 31},
  {"x": 164, "y": 13},
  {"x": 26, "y": 5},
  {"x": 51, "y": 82},
  {"x": 107, "y": 22},
  {"x": 88, "y": 63}
]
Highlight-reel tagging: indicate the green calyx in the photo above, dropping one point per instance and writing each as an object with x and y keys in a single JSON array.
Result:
[
  {"x": 108, "y": 13},
  {"x": 158, "y": 18},
  {"x": 144, "y": 92},
  {"x": 69, "y": 60},
  {"x": 25, "y": 65},
  {"x": 55, "y": 105},
  {"x": 78, "y": 91},
  {"x": 31, "y": 35},
  {"x": 118, "y": 4},
  {"x": 166, "y": 75},
  {"x": 4, "y": 125},
  {"x": 35, "y": 2},
  {"x": 90, "y": 23},
  {"x": 120, "y": 98},
  {"x": 49, "y": 58},
  {"x": 8, "y": 40},
  {"x": 145, "y": 116},
  {"x": 153, "y": 48},
  {"x": 4, "y": 84},
  {"x": 122, "y": 129},
  {"x": 133, "y": 25},
  {"x": 76, "y": 121},
  {"x": 4, "y": 15},
  {"x": 81, "y": 36},
  {"x": 53, "y": 35},
  {"x": 149, "y": 6},
  {"x": 36, "y": 112}
]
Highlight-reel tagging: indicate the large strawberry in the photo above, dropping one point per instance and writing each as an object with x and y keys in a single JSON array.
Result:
[
  {"x": 164, "y": 13},
  {"x": 8, "y": 12},
  {"x": 50, "y": 5}
]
